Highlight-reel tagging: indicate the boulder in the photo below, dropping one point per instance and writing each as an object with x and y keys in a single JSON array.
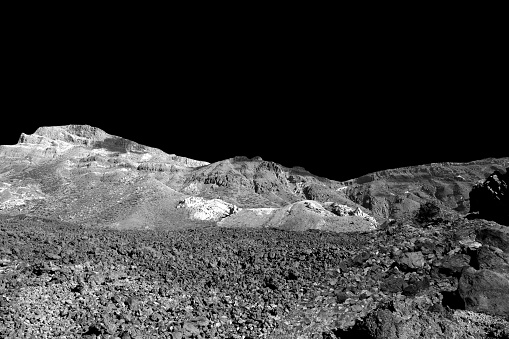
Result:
[
  {"x": 411, "y": 261},
  {"x": 485, "y": 291},
  {"x": 204, "y": 209},
  {"x": 410, "y": 318},
  {"x": 498, "y": 237},
  {"x": 490, "y": 198},
  {"x": 454, "y": 264},
  {"x": 489, "y": 258}
]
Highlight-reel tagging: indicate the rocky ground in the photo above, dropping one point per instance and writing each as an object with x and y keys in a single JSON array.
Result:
[
  {"x": 101, "y": 237},
  {"x": 61, "y": 280}
]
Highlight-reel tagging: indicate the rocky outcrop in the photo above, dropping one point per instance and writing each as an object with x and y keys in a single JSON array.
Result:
[
  {"x": 485, "y": 291},
  {"x": 51, "y": 142},
  {"x": 490, "y": 198},
  {"x": 424, "y": 317},
  {"x": 343, "y": 210},
  {"x": 153, "y": 167},
  {"x": 495, "y": 236},
  {"x": 255, "y": 183},
  {"x": 398, "y": 193},
  {"x": 207, "y": 210},
  {"x": 301, "y": 216}
]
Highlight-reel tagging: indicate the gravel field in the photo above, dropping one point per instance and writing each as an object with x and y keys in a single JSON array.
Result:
[{"x": 60, "y": 280}]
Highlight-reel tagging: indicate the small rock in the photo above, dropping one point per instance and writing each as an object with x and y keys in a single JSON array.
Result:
[
  {"x": 201, "y": 321},
  {"x": 133, "y": 303},
  {"x": 52, "y": 256},
  {"x": 190, "y": 328},
  {"x": 411, "y": 261}
]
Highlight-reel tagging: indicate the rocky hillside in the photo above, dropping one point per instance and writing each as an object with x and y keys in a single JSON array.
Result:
[
  {"x": 84, "y": 175},
  {"x": 490, "y": 198},
  {"x": 257, "y": 183},
  {"x": 398, "y": 193}
]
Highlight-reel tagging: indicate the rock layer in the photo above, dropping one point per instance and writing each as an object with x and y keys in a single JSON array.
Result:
[{"x": 398, "y": 193}]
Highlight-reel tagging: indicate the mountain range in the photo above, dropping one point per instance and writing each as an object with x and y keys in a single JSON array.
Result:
[{"x": 81, "y": 174}]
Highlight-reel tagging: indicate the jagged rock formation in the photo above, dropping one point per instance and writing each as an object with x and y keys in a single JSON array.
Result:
[
  {"x": 484, "y": 287},
  {"x": 343, "y": 210},
  {"x": 211, "y": 210},
  {"x": 255, "y": 183},
  {"x": 50, "y": 142},
  {"x": 80, "y": 173},
  {"x": 490, "y": 198},
  {"x": 300, "y": 216},
  {"x": 398, "y": 193}
]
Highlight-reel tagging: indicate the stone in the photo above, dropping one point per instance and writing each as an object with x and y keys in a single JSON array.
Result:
[
  {"x": 485, "y": 291},
  {"x": 411, "y": 261},
  {"x": 133, "y": 303},
  {"x": 490, "y": 198},
  {"x": 204, "y": 209},
  {"x": 454, "y": 264},
  {"x": 498, "y": 237},
  {"x": 488, "y": 258},
  {"x": 393, "y": 284},
  {"x": 190, "y": 328}
]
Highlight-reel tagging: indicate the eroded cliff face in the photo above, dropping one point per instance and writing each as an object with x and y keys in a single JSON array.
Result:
[
  {"x": 255, "y": 183},
  {"x": 398, "y": 193},
  {"x": 490, "y": 198},
  {"x": 82, "y": 174},
  {"x": 77, "y": 141}
]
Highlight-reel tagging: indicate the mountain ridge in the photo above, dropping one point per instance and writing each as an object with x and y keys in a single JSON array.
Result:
[
  {"x": 92, "y": 164},
  {"x": 68, "y": 169}
]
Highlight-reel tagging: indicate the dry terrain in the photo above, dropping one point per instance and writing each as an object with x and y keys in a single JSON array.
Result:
[{"x": 101, "y": 237}]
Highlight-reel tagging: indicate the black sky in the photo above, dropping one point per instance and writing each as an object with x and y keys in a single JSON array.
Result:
[{"x": 338, "y": 105}]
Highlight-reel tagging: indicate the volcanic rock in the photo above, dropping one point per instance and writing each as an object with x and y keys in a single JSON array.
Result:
[
  {"x": 495, "y": 236},
  {"x": 454, "y": 264},
  {"x": 490, "y": 198},
  {"x": 411, "y": 261},
  {"x": 398, "y": 193},
  {"x": 203, "y": 209},
  {"x": 300, "y": 216},
  {"x": 485, "y": 291}
]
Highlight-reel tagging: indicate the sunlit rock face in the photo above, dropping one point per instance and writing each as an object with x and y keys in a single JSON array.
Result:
[{"x": 210, "y": 210}]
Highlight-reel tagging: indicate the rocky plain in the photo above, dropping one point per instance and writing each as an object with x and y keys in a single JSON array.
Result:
[{"x": 101, "y": 237}]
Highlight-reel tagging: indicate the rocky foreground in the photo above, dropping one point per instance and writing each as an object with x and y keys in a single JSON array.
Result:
[{"x": 447, "y": 279}]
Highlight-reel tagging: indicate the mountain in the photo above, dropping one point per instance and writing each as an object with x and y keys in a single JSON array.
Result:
[
  {"x": 81, "y": 174},
  {"x": 398, "y": 193}
]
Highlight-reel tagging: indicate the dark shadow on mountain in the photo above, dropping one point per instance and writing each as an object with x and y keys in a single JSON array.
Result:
[
  {"x": 489, "y": 199},
  {"x": 120, "y": 145}
]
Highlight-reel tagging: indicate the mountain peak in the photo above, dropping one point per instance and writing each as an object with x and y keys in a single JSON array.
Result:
[
  {"x": 74, "y": 134},
  {"x": 49, "y": 142}
]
